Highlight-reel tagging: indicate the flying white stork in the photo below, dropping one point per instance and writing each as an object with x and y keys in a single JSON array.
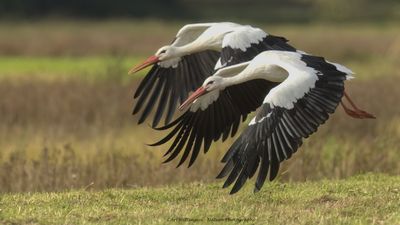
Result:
[
  {"x": 197, "y": 50},
  {"x": 303, "y": 91}
]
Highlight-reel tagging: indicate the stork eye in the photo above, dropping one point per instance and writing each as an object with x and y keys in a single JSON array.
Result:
[
  {"x": 210, "y": 82},
  {"x": 163, "y": 51}
]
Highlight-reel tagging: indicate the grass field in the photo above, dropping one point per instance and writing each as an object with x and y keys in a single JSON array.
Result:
[{"x": 362, "y": 199}]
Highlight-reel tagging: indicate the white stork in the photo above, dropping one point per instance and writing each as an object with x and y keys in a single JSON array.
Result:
[
  {"x": 294, "y": 94},
  {"x": 195, "y": 53}
]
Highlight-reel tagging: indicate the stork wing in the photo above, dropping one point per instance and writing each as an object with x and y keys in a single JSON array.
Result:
[
  {"x": 244, "y": 44},
  {"x": 170, "y": 86},
  {"x": 220, "y": 116},
  {"x": 190, "y": 32},
  {"x": 168, "y": 83},
  {"x": 291, "y": 111}
]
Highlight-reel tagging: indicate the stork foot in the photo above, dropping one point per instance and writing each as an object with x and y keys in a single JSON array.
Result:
[{"x": 356, "y": 112}]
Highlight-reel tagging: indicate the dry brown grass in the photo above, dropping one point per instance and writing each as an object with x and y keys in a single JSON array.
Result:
[{"x": 60, "y": 135}]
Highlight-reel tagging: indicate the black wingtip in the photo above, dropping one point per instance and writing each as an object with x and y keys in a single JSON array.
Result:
[
  {"x": 158, "y": 143},
  {"x": 168, "y": 160},
  {"x": 180, "y": 163},
  {"x": 136, "y": 109},
  {"x": 220, "y": 175},
  {"x": 274, "y": 170},
  {"x": 234, "y": 191},
  {"x": 273, "y": 176},
  {"x": 154, "y": 124},
  {"x": 191, "y": 162},
  {"x": 225, "y": 171},
  {"x": 173, "y": 123},
  {"x": 142, "y": 119},
  {"x": 134, "y": 112},
  {"x": 225, "y": 185}
]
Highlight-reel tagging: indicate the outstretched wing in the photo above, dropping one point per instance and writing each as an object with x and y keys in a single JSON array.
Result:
[
  {"x": 164, "y": 87},
  {"x": 247, "y": 42},
  {"x": 168, "y": 83},
  {"x": 218, "y": 115},
  {"x": 291, "y": 111}
]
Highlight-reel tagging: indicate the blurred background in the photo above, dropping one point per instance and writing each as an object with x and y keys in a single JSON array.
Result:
[{"x": 66, "y": 98}]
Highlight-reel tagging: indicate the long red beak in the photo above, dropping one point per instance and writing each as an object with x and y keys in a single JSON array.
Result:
[
  {"x": 148, "y": 62},
  {"x": 199, "y": 92}
]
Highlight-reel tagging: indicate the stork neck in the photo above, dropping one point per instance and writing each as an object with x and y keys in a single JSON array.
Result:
[
  {"x": 267, "y": 72},
  {"x": 190, "y": 48},
  {"x": 230, "y": 81}
]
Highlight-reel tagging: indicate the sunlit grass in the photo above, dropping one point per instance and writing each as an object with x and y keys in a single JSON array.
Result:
[{"x": 362, "y": 199}]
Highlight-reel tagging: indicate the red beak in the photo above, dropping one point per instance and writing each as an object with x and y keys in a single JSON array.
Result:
[
  {"x": 199, "y": 92},
  {"x": 148, "y": 62}
]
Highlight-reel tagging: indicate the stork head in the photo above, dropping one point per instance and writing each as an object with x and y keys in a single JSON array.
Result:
[
  {"x": 166, "y": 52},
  {"x": 210, "y": 84},
  {"x": 213, "y": 83},
  {"x": 162, "y": 54}
]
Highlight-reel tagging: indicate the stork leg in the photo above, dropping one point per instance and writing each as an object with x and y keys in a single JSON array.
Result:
[
  {"x": 350, "y": 112},
  {"x": 356, "y": 112}
]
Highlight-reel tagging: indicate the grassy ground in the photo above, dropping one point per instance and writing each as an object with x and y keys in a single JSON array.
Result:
[{"x": 363, "y": 199}]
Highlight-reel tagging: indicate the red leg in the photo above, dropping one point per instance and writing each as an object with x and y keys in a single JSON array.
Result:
[
  {"x": 361, "y": 114},
  {"x": 350, "y": 112}
]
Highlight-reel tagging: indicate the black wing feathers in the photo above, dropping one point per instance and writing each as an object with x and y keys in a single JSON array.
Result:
[
  {"x": 219, "y": 120},
  {"x": 232, "y": 56},
  {"x": 170, "y": 86}
]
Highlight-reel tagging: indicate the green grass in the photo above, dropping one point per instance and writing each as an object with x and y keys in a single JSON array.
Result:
[
  {"x": 363, "y": 199},
  {"x": 59, "y": 68}
]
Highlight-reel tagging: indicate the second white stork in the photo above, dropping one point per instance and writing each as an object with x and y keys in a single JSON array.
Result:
[
  {"x": 303, "y": 91},
  {"x": 197, "y": 50}
]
